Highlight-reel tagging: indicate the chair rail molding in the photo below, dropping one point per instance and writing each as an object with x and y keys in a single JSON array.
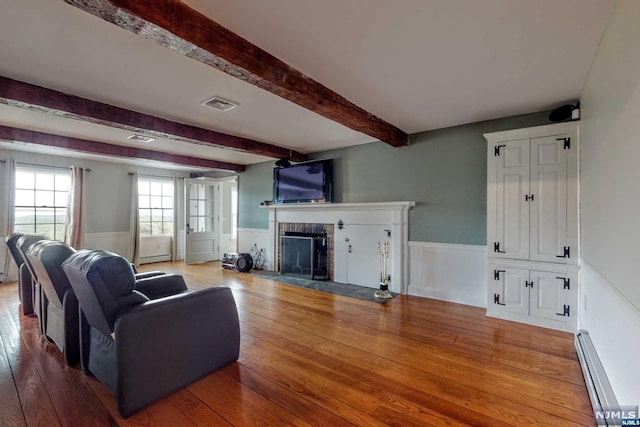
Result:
[
  {"x": 448, "y": 272},
  {"x": 613, "y": 323},
  {"x": 118, "y": 242}
]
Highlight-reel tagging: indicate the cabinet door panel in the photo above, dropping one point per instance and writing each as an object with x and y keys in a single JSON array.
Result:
[
  {"x": 548, "y": 231},
  {"x": 512, "y": 211},
  {"x": 509, "y": 286},
  {"x": 363, "y": 260},
  {"x": 548, "y": 296},
  {"x": 516, "y": 294}
]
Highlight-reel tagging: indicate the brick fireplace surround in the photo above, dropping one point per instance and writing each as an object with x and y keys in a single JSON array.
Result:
[{"x": 301, "y": 227}]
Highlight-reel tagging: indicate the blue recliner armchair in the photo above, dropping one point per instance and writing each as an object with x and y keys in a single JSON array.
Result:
[{"x": 144, "y": 349}]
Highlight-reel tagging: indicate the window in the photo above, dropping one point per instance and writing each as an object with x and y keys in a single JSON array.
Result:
[
  {"x": 155, "y": 204},
  {"x": 41, "y": 201}
]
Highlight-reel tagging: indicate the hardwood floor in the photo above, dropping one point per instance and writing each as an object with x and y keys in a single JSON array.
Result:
[{"x": 311, "y": 358}]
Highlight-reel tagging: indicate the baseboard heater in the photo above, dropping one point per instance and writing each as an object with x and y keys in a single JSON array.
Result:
[
  {"x": 155, "y": 258},
  {"x": 600, "y": 391}
]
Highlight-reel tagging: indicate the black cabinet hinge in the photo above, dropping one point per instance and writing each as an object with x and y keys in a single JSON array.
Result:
[
  {"x": 496, "y": 248},
  {"x": 496, "y": 299},
  {"x": 566, "y": 311},
  {"x": 566, "y": 142},
  {"x": 496, "y": 150},
  {"x": 566, "y": 281},
  {"x": 566, "y": 253},
  {"x": 496, "y": 274},
  {"x": 528, "y": 284},
  {"x": 528, "y": 197}
]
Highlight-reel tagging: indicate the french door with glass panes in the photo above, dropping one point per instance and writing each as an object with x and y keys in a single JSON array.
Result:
[{"x": 201, "y": 240}]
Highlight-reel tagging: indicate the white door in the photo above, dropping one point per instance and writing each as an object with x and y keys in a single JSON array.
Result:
[
  {"x": 511, "y": 239},
  {"x": 201, "y": 243},
  {"x": 548, "y": 229},
  {"x": 228, "y": 205},
  {"x": 549, "y": 296},
  {"x": 363, "y": 260}
]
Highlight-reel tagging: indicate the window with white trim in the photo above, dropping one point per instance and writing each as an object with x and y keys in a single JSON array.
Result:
[
  {"x": 155, "y": 206},
  {"x": 41, "y": 196}
]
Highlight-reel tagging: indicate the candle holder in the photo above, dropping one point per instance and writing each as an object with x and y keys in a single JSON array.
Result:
[{"x": 383, "y": 251}]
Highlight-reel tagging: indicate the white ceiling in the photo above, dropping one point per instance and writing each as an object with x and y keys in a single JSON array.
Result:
[{"x": 418, "y": 64}]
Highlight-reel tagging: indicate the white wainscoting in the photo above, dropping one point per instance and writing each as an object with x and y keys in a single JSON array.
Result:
[
  {"x": 613, "y": 324},
  {"x": 155, "y": 249},
  {"x": 449, "y": 272},
  {"x": 117, "y": 242},
  {"x": 260, "y": 236}
]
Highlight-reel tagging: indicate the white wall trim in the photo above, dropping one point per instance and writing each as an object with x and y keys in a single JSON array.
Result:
[
  {"x": 260, "y": 236},
  {"x": 117, "y": 242},
  {"x": 448, "y": 272},
  {"x": 628, "y": 307},
  {"x": 253, "y": 230},
  {"x": 450, "y": 246},
  {"x": 613, "y": 324}
]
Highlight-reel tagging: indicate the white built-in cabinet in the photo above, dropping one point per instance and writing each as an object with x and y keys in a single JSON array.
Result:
[{"x": 532, "y": 225}]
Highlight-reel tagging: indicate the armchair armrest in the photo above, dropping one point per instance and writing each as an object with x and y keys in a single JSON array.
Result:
[
  {"x": 165, "y": 344},
  {"x": 146, "y": 274},
  {"x": 161, "y": 286}
]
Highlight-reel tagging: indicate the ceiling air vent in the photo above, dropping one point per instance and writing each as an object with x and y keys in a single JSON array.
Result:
[
  {"x": 140, "y": 138},
  {"x": 219, "y": 104}
]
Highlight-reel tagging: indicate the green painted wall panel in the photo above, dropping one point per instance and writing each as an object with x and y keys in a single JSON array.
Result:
[{"x": 444, "y": 171}]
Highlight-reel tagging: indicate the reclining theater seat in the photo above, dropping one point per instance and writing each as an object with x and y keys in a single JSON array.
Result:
[
  {"x": 59, "y": 304},
  {"x": 33, "y": 288},
  {"x": 25, "y": 282},
  {"x": 142, "y": 349}
]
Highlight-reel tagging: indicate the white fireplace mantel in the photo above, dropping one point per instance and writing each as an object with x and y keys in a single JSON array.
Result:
[{"x": 391, "y": 216}]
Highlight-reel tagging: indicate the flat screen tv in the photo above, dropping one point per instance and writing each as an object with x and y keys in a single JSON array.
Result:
[{"x": 306, "y": 182}]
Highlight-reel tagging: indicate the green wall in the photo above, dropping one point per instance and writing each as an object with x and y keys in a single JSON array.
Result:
[
  {"x": 255, "y": 185},
  {"x": 444, "y": 171}
]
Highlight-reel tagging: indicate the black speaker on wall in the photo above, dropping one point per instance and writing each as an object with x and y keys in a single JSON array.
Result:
[
  {"x": 565, "y": 113},
  {"x": 244, "y": 262}
]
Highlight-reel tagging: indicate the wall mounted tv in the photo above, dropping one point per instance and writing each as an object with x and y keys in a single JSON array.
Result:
[{"x": 304, "y": 182}]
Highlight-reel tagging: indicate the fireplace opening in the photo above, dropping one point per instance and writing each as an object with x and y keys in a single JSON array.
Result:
[{"x": 305, "y": 255}]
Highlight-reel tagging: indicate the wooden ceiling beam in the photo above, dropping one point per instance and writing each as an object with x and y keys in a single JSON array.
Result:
[
  {"x": 12, "y": 134},
  {"x": 175, "y": 25},
  {"x": 25, "y": 95}
]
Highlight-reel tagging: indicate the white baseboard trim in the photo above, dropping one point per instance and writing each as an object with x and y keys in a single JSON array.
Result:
[
  {"x": 448, "y": 272},
  {"x": 613, "y": 324},
  {"x": 152, "y": 259}
]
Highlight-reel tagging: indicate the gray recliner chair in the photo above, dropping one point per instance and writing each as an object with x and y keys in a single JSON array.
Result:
[
  {"x": 59, "y": 304},
  {"x": 25, "y": 281},
  {"x": 23, "y": 244},
  {"x": 144, "y": 349}
]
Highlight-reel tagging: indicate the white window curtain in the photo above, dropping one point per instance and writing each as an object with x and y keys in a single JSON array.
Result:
[
  {"x": 10, "y": 271},
  {"x": 134, "y": 221},
  {"x": 73, "y": 233}
]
